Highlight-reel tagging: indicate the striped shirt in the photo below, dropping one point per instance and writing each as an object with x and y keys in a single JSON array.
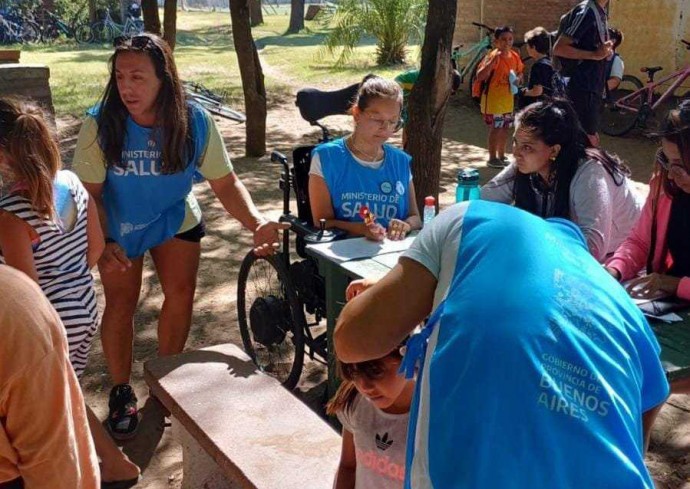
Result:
[{"x": 60, "y": 257}]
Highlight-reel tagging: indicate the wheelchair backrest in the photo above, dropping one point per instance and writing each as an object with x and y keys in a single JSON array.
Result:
[
  {"x": 316, "y": 104},
  {"x": 301, "y": 161}
]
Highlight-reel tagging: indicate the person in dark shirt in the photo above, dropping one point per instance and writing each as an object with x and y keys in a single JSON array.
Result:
[
  {"x": 540, "y": 85},
  {"x": 584, "y": 39}
]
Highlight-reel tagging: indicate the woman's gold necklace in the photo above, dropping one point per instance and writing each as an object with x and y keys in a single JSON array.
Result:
[{"x": 355, "y": 149}]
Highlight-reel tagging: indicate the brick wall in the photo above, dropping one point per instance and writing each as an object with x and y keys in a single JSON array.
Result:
[
  {"x": 653, "y": 29},
  {"x": 521, "y": 15}
]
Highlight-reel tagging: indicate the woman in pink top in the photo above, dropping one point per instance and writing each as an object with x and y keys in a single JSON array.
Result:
[{"x": 660, "y": 240}]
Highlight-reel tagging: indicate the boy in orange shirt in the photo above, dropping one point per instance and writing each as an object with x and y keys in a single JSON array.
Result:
[{"x": 499, "y": 69}]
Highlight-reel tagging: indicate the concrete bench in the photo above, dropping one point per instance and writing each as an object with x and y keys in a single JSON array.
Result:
[{"x": 238, "y": 427}]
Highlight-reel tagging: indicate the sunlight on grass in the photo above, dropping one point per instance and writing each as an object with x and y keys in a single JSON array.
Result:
[{"x": 205, "y": 53}]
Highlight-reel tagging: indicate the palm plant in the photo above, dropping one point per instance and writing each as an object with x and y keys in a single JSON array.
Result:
[{"x": 393, "y": 23}]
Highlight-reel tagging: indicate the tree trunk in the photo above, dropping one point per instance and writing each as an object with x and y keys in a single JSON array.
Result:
[
  {"x": 256, "y": 15},
  {"x": 429, "y": 99},
  {"x": 252, "y": 78},
  {"x": 123, "y": 10},
  {"x": 170, "y": 22},
  {"x": 296, "y": 16},
  {"x": 152, "y": 20},
  {"x": 92, "y": 11}
]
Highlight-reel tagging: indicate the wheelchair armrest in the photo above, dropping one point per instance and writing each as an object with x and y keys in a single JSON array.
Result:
[{"x": 304, "y": 230}]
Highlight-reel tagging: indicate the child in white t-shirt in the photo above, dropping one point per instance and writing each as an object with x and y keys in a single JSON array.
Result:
[{"x": 373, "y": 405}]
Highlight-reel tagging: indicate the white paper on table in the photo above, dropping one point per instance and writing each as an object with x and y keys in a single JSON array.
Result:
[
  {"x": 354, "y": 248},
  {"x": 671, "y": 317},
  {"x": 388, "y": 260}
]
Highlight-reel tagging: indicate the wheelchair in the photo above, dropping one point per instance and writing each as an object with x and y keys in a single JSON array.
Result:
[{"x": 281, "y": 299}]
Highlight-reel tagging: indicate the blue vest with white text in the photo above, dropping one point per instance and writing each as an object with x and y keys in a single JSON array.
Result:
[
  {"x": 384, "y": 190},
  {"x": 145, "y": 207},
  {"x": 535, "y": 369}
]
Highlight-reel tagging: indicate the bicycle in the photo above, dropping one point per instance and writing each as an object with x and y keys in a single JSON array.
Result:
[
  {"x": 211, "y": 101},
  {"x": 106, "y": 30},
  {"x": 476, "y": 53},
  {"x": 15, "y": 29},
  {"x": 53, "y": 26},
  {"x": 633, "y": 104}
]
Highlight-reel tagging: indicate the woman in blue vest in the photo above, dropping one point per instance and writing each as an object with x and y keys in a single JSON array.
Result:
[
  {"x": 361, "y": 170},
  {"x": 136, "y": 154},
  {"x": 551, "y": 380}
]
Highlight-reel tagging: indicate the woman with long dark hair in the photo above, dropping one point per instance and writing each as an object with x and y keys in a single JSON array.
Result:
[
  {"x": 137, "y": 153},
  {"x": 557, "y": 173}
]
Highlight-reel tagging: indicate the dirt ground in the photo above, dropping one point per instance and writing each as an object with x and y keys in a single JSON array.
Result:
[{"x": 215, "y": 317}]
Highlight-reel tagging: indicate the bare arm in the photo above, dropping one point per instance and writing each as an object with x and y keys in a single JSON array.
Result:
[
  {"x": 413, "y": 217},
  {"x": 15, "y": 243},
  {"x": 565, "y": 48},
  {"x": 94, "y": 234},
  {"x": 236, "y": 200},
  {"x": 345, "y": 476},
  {"x": 322, "y": 208},
  {"x": 535, "y": 91},
  {"x": 112, "y": 257},
  {"x": 648, "y": 418},
  {"x": 613, "y": 83},
  {"x": 486, "y": 66},
  {"x": 376, "y": 321}
]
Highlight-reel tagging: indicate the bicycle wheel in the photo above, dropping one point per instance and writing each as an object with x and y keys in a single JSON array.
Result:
[
  {"x": 102, "y": 33},
  {"x": 618, "y": 120},
  {"x": 473, "y": 77},
  {"x": 83, "y": 34},
  {"x": 226, "y": 112},
  {"x": 30, "y": 32},
  {"x": 219, "y": 109},
  {"x": 271, "y": 318}
]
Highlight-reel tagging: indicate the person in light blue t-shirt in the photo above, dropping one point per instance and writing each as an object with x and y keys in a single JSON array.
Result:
[
  {"x": 360, "y": 170},
  {"x": 551, "y": 380},
  {"x": 137, "y": 154}
]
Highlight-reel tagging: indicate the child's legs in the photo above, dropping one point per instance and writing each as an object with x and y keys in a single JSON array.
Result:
[
  {"x": 501, "y": 139},
  {"x": 117, "y": 329},
  {"x": 115, "y": 466},
  {"x": 492, "y": 143},
  {"x": 177, "y": 263}
]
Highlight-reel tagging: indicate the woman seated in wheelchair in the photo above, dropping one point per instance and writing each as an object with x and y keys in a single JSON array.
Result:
[{"x": 361, "y": 170}]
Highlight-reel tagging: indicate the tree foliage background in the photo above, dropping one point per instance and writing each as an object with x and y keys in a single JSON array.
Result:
[{"x": 393, "y": 24}]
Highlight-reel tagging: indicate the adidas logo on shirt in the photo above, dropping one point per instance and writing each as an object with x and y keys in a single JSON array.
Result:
[{"x": 382, "y": 442}]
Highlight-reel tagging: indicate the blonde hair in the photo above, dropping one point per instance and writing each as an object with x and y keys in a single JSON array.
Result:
[{"x": 30, "y": 145}]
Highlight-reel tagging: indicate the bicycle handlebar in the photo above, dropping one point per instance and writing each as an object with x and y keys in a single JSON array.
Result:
[{"x": 483, "y": 26}]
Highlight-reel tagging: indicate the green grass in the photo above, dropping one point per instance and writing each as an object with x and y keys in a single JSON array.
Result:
[{"x": 205, "y": 53}]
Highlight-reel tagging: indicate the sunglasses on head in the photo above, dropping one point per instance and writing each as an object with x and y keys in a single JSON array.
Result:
[{"x": 136, "y": 42}]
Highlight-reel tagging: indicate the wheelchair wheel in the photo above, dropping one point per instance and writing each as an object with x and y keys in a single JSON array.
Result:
[{"x": 271, "y": 318}]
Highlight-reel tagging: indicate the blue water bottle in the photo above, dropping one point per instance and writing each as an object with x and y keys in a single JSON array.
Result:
[{"x": 468, "y": 185}]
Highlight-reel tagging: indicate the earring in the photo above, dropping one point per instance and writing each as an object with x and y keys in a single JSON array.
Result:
[{"x": 553, "y": 158}]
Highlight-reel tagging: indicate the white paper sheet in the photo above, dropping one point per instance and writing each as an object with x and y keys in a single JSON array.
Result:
[{"x": 354, "y": 248}]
